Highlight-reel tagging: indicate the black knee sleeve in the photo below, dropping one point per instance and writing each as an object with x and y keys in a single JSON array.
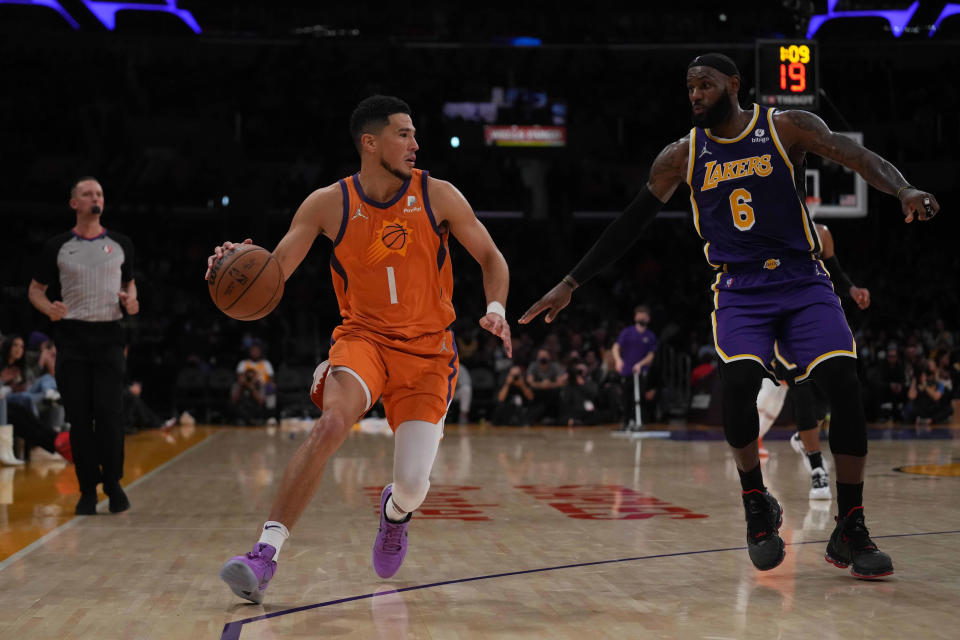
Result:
[
  {"x": 740, "y": 383},
  {"x": 837, "y": 378},
  {"x": 809, "y": 405}
]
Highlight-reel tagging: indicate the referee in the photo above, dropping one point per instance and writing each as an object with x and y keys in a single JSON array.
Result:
[{"x": 93, "y": 268}]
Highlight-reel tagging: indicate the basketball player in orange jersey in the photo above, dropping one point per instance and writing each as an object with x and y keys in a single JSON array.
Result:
[{"x": 391, "y": 270}]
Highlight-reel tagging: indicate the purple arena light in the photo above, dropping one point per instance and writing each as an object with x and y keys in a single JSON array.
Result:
[
  {"x": 950, "y": 9},
  {"x": 898, "y": 19},
  {"x": 106, "y": 12},
  {"x": 50, "y": 4}
]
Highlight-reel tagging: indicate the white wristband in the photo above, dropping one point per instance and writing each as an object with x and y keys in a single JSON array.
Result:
[{"x": 497, "y": 308}]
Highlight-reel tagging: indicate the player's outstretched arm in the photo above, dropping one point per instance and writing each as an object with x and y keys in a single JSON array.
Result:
[
  {"x": 452, "y": 207},
  {"x": 319, "y": 213},
  {"x": 805, "y": 131},
  {"x": 668, "y": 170}
]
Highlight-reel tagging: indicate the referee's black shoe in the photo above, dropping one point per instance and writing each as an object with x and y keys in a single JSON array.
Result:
[
  {"x": 118, "y": 499},
  {"x": 764, "y": 517},
  {"x": 850, "y": 544},
  {"x": 87, "y": 506}
]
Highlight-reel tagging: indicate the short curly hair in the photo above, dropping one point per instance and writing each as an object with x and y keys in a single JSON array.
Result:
[{"x": 373, "y": 114}]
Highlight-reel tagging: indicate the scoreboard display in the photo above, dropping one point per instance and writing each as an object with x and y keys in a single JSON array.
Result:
[{"x": 788, "y": 74}]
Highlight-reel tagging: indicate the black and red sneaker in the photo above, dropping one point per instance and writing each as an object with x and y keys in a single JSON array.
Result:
[
  {"x": 764, "y": 517},
  {"x": 850, "y": 544}
]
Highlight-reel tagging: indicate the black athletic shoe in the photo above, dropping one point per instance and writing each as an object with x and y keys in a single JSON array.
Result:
[
  {"x": 850, "y": 544},
  {"x": 118, "y": 499},
  {"x": 87, "y": 506},
  {"x": 764, "y": 517}
]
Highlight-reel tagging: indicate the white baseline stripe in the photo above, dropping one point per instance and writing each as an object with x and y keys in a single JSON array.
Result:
[{"x": 36, "y": 544}]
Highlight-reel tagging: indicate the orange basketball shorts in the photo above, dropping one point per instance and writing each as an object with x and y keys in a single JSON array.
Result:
[{"x": 415, "y": 377}]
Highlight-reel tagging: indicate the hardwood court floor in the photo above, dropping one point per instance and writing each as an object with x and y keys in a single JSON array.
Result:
[{"x": 527, "y": 533}]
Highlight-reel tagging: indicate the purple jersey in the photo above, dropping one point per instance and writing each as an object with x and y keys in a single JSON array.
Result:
[
  {"x": 634, "y": 347},
  {"x": 745, "y": 195}
]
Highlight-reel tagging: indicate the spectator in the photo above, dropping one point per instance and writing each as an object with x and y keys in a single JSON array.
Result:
[
  {"x": 247, "y": 399},
  {"x": 889, "y": 384},
  {"x": 257, "y": 363},
  {"x": 546, "y": 377},
  {"x": 463, "y": 395},
  {"x": 928, "y": 401},
  {"x": 14, "y": 373},
  {"x": 706, "y": 364},
  {"x": 578, "y": 399},
  {"x": 43, "y": 391},
  {"x": 468, "y": 344},
  {"x": 137, "y": 414},
  {"x": 7, "y": 458},
  {"x": 514, "y": 400},
  {"x": 23, "y": 424},
  {"x": 633, "y": 354}
]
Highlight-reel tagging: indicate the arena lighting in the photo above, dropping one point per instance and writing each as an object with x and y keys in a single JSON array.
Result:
[
  {"x": 897, "y": 19},
  {"x": 455, "y": 142},
  {"x": 106, "y": 12},
  {"x": 51, "y": 4},
  {"x": 525, "y": 41},
  {"x": 949, "y": 10}
]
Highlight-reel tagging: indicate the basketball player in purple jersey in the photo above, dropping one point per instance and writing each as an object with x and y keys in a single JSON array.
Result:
[{"x": 745, "y": 173}]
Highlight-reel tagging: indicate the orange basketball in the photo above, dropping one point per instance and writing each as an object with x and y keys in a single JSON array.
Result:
[{"x": 247, "y": 283}]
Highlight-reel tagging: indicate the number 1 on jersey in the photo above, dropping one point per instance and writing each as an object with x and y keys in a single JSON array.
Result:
[
  {"x": 392, "y": 283},
  {"x": 743, "y": 218}
]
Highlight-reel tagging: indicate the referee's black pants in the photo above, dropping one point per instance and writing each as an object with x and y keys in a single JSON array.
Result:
[{"x": 90, "y": 381}]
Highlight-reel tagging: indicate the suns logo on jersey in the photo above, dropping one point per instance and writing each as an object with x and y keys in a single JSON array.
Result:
[
  {"x": 715, "y": 173},
  {"x": 393, "y": 236}
]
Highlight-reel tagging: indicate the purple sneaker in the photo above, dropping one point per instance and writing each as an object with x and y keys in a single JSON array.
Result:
[
  {"x": 391, "y": 544},
  {"x": 248, "y": 575}
]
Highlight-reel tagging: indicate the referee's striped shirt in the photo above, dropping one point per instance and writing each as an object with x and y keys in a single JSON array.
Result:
[{"x": 90, "y": 273}]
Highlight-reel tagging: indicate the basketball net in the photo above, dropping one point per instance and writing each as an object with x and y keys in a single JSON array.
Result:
[{"x": 813, "y": 203}]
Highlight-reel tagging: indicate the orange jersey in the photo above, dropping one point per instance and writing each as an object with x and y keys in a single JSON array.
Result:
[{"x": 390, "y": 263}]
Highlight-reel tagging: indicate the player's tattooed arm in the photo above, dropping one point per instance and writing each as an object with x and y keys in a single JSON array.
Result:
[
  {"x": 802, "y": 131},
  {"x": 669, "y": 169}
]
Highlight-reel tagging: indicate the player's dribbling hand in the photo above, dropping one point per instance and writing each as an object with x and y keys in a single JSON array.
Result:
[
  {"x": 57, "y": 311},
  {"x": 555, "y": 300},
  {"x": 219, "y": 252},
  {"x": 498, "y": 326},
  {"x": 861, "y": 296},
  {"x": 918, "y": 203}
]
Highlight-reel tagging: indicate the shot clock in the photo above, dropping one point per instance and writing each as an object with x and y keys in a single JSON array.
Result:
[{"x": 788, "y": 74}]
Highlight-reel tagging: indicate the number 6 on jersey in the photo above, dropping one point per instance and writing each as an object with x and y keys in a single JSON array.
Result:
[{"x": 743, "y": 217}]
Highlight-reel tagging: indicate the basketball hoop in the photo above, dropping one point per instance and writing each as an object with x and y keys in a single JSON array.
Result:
[{"x": 813, "y": 203}]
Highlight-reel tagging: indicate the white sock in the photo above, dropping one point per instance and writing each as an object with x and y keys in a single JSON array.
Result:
[
  {"x": 394, "y": 514},
  {"x": 274, "y": 534}
]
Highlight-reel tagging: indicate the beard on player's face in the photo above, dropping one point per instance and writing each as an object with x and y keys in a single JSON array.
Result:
[
  {"x": 715, "y": 114},
  {"x": 402, "y": 173}
]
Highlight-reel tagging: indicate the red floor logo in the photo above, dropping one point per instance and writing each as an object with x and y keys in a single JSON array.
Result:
[
  {"x": 444, "y": 502},
  {"x": 605, "y": 502}
]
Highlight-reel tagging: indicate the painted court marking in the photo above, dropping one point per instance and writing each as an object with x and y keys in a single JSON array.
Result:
[
  {"x": 231, "y": 630},
  {"x": 36, "y": 544}
]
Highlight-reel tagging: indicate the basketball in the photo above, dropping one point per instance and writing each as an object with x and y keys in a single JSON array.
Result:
[
  {"x": 247, "y": 283},
  {"x": 394, "y": 236}
]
